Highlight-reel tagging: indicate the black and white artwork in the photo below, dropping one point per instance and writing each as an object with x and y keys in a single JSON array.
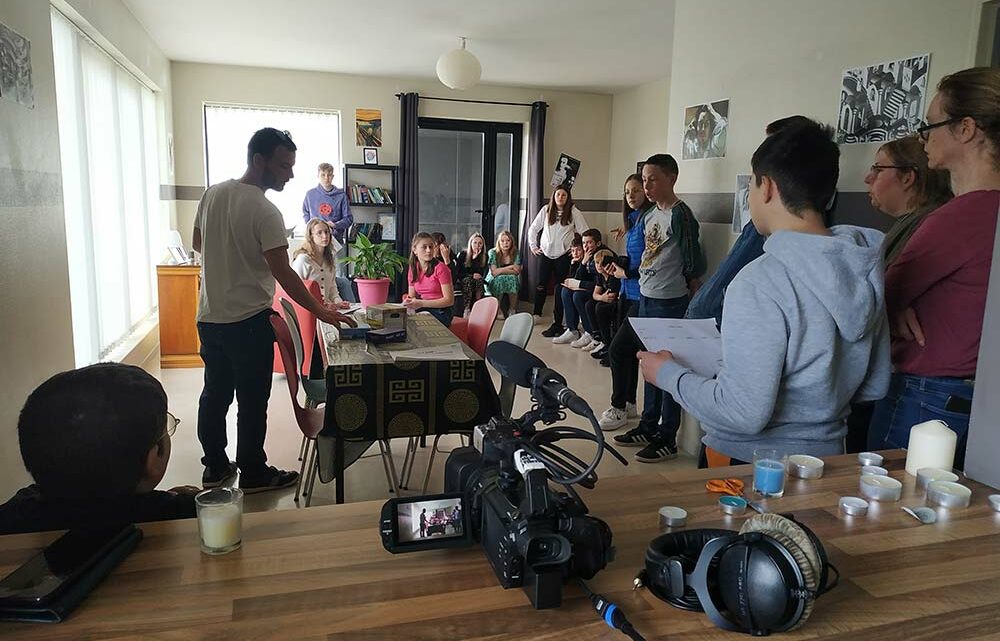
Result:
[
  {"x": 705, "y": 129},
  {"x": 741, "y": 203},
  {"x": 566, "y": 171},
  {"x": 15, "y": 68},
  {"x": 883, "y": 101}
]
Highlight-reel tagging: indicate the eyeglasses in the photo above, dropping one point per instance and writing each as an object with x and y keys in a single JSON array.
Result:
[
  {"x": 876, "y": 169},
  {"x": 172, "y": 423},
  {"x": 924, "y": 131}
]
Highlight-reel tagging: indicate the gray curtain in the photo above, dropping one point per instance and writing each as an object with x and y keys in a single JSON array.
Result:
[
  {"x": 536, "y": 183},
  {"x": 408, "y": 202}
]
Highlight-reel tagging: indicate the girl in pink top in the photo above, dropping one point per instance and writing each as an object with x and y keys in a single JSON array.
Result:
[{"x": 430, "y": 289}]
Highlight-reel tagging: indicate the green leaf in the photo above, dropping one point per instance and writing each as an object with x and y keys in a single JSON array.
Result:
[{"x": 374, "y": 260}]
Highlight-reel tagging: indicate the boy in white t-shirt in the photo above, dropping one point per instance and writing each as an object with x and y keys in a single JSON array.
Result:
[{"x": 241, "y": 236}]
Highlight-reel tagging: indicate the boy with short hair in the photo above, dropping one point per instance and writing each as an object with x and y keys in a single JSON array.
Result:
[
  {"x": 804, "y": 328},
  {"x": 96, "y": 440}
]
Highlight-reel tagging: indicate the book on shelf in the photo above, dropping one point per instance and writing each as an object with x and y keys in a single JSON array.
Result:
[{"x": 365, "y": 195}]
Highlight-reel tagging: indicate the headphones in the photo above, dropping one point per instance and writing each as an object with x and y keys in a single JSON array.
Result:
[{"x": 764, "y": 578}]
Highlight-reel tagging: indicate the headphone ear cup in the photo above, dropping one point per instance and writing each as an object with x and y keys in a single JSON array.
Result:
[{"x": 799, "y": 544}]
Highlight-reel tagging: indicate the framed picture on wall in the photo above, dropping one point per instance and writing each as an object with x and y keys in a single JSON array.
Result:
[{"x": 371, "y": 155}]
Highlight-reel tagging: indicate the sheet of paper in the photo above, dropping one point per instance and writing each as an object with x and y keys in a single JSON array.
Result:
[
  {"x": 695, "y": 343},
  {"x": 451, "y": 352},
  {"x": 337, "y": 245},
  {"x": 353, "y": 308}
]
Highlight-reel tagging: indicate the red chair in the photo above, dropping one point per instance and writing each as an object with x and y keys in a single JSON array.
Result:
[
  {"x": 475, "y": 330},
  {"x": 307, "y": 325},
  {"x": 309, "y": 420}
]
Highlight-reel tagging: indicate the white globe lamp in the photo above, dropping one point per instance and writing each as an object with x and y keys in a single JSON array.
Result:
[{"x": 459, "y": 69}]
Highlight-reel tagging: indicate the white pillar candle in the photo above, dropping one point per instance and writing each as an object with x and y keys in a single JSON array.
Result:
[
  {"x": 931, "y": 444},
  {"x": 220, "y": 526}
]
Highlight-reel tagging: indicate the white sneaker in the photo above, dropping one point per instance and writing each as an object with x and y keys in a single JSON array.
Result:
[
  {"x": 596, "y": 346},
  {"x": 566, "y": 337},
  {"x": 631, "y": 411},
  {"x": 613, "y": 419},
  {"x": 585, "y": 339}
]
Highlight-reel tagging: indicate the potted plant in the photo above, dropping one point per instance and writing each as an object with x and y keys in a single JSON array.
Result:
[{"x": 375, "y": 264}]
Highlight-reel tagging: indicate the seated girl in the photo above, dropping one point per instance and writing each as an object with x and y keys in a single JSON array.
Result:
[{"x": 430, "y": 288}]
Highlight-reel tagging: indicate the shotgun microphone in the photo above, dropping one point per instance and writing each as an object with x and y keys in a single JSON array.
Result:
[{"x": 527, "y": 370}]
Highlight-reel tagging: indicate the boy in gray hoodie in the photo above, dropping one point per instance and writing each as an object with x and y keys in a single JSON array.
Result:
[{"x": 804, "y": 326}]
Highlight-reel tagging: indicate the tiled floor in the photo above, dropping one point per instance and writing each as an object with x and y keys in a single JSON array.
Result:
[{"x": 365, "y": 480}]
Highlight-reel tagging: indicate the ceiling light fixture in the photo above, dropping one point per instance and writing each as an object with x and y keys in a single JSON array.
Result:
[{"x": 459, "y": 69}]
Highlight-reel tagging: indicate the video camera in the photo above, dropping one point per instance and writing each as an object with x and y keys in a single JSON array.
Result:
[{"x": 499, "y": 492}]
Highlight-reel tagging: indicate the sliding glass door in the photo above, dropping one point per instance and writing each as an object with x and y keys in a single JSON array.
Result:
[{"x": 470, "y": 178}]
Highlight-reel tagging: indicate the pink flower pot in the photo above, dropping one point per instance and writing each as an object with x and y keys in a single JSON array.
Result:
[{"x": 373, "y": 292}]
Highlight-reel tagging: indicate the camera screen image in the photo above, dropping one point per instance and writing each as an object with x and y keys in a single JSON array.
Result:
[{"x": 425, "y": 520}]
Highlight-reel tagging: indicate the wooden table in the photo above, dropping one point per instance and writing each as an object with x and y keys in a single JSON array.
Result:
[
  {"x": 372, "y": 396},
  {"x": 321, "y": 573}
]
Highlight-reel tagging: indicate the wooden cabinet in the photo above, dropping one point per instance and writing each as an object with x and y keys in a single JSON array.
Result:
[{"x": 179, "y": 286}]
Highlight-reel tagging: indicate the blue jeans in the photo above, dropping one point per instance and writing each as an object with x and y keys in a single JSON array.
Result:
[
  {"x": 707, "y": 303},
  {"x": 661, "y": 414},
  {"x": 915, "y": 399},
  {"x": 345, "y": 290},
  {"x": 575, "y": 309},
  {"x": 443, "y": 314}
]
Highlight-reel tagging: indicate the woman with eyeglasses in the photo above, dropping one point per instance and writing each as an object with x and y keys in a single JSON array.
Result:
[
  {"x": 901, "y": 185},
  {"x": 936, "y": 286}
]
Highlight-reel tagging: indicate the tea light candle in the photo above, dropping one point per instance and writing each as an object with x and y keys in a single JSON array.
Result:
[
  {"x": 220, "y": 525},
  {"x": 995, "y": 502},
  {"x": 880, "y": 488},
  {"x": 948, "y": 494},
  {"x": 804, "y": 466},
  {"x": 931, "y": 444},
  {"x": 853, "y": 506},
  {"x": 869, "y": 458},
  {"x": 927, "y": 475},
  {"x": 733, "y": 505},
  {"x": 874, "y": 470},
  {"x": 671, "y": 516}
]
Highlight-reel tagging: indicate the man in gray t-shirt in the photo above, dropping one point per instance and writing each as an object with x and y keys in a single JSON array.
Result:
[{"x": 241, "y": 236}]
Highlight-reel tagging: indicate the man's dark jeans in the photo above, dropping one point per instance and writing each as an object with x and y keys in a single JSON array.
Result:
[
  {"x": 661, "y": 415},
  {"x": 238, "y": 358}
]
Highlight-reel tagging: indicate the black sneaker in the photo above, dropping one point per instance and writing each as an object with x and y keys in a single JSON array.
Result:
[
  {"x": 600, "y": 354},
  {"x": 553, "y": 331},
  {"x": 635, "y": 437},
  {"x": 217, "y": 477},
  {"x": 273, "y": 479},
  {"x": 655, "y": 452}
]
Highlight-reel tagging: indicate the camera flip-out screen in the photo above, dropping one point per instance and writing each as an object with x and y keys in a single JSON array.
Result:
[{"x": 425, "y": 522}]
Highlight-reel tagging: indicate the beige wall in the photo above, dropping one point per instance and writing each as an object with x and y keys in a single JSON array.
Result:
[
  {"x": 638, "y": 129},
  {"x": 578, "y": 123},
  {"x": 34, "y": 282}
]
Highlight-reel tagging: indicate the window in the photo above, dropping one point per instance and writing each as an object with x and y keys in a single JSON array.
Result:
[
  {"x": 316, "y": 134},
  {"x": 107, "y": 142}
]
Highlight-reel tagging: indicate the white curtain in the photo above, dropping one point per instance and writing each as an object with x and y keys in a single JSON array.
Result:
[
  {"x": 316, "y": 134},
  {"x": 107, "y": 139}
]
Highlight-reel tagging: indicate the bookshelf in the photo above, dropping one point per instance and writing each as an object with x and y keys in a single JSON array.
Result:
[{"x": 372, "y": 192}]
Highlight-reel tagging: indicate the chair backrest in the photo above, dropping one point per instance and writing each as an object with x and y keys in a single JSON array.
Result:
[
  {"x": 288, "y": 312},
  {"x": 306, "y": 323},
  {"x": 310, "y": 421},
  {"x": 516, "y": 331},
  {"x": 481, "y": 319}
]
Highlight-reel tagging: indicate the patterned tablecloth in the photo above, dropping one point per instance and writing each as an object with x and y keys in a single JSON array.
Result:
[{"x": 373, "y": 395}]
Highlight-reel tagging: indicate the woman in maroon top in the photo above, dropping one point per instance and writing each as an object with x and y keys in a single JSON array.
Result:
[{"x": 935, "y": 290}]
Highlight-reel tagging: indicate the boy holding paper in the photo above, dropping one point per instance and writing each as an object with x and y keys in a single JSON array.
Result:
[{"x": 804, "y": 329}]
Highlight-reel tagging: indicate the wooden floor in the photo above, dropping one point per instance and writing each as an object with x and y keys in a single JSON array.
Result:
[{"x": 322, "y": 574}]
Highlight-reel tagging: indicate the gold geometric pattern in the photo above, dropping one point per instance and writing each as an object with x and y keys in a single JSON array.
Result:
[
  {"x": 405, "y": 424},
  {"x": 347, "y": 376},
  {"x": 461, "y": 372},
  {"x": 406, "y": 365},
  {"x": 461, "y": 406},
  {"x": 406, "y": 391},
  {"x": 351, "y": 412}
]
